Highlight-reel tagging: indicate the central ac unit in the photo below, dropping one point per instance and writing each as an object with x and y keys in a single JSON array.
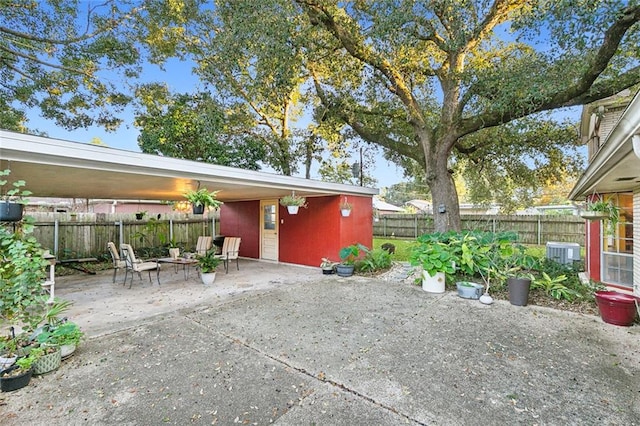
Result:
[{"x": 563, "y": 252}]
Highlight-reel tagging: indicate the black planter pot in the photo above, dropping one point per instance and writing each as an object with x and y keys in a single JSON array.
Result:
[
  {"x": 519, "y": 291},
  {"x": 327, "y": 271},
  {"x": 10, "y": 212},
  {"x": 198, "y": 209},
  {"x": 345, "y": 270},
  {"x": 8, "y": 384}
]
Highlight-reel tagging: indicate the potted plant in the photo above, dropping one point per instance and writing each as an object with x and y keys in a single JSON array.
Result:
[
  {"x": 207, "y": 263},
  {"x": 67, "y": 335},
  {"x": 174, "y": 250},
  {"x": 348, "y": 256},
  {"x": 141, "y": 214},
  {"x": 293, "y": 203},
  {"x": 201, "y": 199},
  {"x": 345, "y": 208},
  {"x": 18, "y": 375},
  {"x": 8, "y": 353},
  {"x": 438, "y": 264},
  {"x": 11, "y": 201},
  {"x": 327, "y": 266},
  {"x": 48, "y": 358},
  {"x": 601, "y": 210},
  {"x": 22, "y": 272}
]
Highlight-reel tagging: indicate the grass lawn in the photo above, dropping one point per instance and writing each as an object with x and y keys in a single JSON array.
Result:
[{"x": 403, "y": 247}]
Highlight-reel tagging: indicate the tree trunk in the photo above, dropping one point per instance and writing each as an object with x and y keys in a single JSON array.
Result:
[{"x": 446, "y": 209}]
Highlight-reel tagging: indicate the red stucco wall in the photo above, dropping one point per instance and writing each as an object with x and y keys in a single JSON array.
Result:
[
  {"x": 305, "y": 238},
  {"x": 592, "y": 261},
  {"x": 242, "y": 219},
  {"x": 320, "y": 231}
]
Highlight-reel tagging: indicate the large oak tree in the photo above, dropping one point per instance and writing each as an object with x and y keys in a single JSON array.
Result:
[{"x": 419, "y": 78}]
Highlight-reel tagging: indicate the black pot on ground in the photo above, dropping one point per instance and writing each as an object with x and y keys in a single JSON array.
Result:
[
  {"x": 344, "y": 270},
  {"x": 519, "y": 291},
  {"x": 327, "y": 271},
  {"x": 11, "y": 383},
  {"x": 10, "y": 212},
  {"x": 198, "y": 209}
]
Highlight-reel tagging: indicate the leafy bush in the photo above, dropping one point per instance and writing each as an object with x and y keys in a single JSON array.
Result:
[{"x": 375, "y": 260}]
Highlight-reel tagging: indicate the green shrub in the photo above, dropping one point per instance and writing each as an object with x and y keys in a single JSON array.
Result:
[{"x": 375, "y": 260}]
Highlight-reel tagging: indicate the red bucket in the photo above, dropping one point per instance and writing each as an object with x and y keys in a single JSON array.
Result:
[{"x": 617, "y": 308}]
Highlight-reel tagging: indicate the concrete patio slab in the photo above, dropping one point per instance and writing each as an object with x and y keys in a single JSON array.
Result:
[{"x": 289, "y": 346}]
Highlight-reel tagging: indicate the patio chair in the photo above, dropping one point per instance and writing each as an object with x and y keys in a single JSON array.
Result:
[
  {"x": 133, "y": 264},
  {"x": 203, "y": 245},
  {"x": 230, "y": 251},
  {"x": 117, "y": 262}
]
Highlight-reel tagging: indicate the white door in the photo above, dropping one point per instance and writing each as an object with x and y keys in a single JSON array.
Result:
[{"x": 269, "y": 229}]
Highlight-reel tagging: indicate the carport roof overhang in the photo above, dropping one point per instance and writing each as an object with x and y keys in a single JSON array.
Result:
[{"x": 58, "y": 168}]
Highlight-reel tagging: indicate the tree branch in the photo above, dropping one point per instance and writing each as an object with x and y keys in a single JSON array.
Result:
[{"x": 583, "y": 90}]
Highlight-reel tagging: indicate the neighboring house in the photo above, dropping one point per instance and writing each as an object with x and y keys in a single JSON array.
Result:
[
  {"x": 382, "y": 207},
  {"x": 422, "y": 206},
  {"x": 611, "y": 129}
]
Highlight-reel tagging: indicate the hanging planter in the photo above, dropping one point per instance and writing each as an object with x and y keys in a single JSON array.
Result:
[
  {"x": 11, "y": 200},
  {"x": 201, "y": 199},
  {"x": 293, "y": 202},
  {"x": 10, "y": 212},
  {"x": 345, "y": 208}
]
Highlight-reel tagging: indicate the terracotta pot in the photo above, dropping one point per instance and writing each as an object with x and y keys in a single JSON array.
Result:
[{"x": 617, "y": 308}]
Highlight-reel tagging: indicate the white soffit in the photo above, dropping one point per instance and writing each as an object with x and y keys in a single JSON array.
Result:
[{"x": 58, "y": 168}]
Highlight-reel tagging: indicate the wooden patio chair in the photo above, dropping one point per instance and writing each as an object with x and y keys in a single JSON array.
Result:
[
  {"x": 118, "y": 263},
  {"x": 230, "y": 251},
  {"x": 136, "y": 265},
  {"x": 203, "y": 245}
]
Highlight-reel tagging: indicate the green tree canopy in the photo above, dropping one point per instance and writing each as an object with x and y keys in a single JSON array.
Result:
[
  {"x": 194, "y": 127},
  {"x": 65, "y": 58},
  {"x": 420, "y": 79}
]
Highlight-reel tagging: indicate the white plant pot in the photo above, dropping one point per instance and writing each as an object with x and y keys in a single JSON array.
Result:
[
  {"x": 433, "y": 284},
  {"x": 345, "y": 212},
  {"x": 208, "y": 278},
  {"x": 174, "y": 253},
  {"x": 293, "y": 209}
]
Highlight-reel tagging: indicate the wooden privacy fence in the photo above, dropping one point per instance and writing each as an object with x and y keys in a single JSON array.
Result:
[
  {"x": 86, "y": 234},
  {"x": 532, "y": 229}
]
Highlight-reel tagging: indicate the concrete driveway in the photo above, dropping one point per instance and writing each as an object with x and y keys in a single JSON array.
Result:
[{"x": 282, "y": 344}]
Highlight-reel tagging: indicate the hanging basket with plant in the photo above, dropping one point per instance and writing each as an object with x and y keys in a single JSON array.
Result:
[
  {"x": 602, "y": 210},
  {"x": 293, "y": 202},
  {"x": 201, "y": 199},
  {"x": 11, "y": 200}
]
